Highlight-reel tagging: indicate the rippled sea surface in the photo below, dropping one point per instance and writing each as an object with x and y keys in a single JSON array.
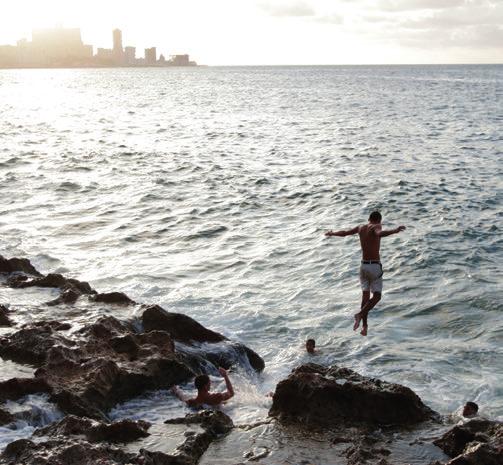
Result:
[{"x": 209, "y": 190}]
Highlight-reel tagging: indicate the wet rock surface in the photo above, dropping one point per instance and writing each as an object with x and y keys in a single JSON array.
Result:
[
  {"x": 32, "y": 343},
  {"x": 13, "y": 265},
  {"x": 113, "y": 298},
  {"x": 475, "y": 442},
  {"x": 64, "y": 452},
  {"x": 69, "y": 448},
  {"x": 94, "y": 431},
  {"x": 213, "y": 421},
  {"x": 110, "y": 364},
  {"x": 16, "y": 388},
  {"x": 5, "y": 417},
  {"x": 186, "y": 330},
  {"x": 329, "y": 396},
  {"x": 4, "y": 316}
]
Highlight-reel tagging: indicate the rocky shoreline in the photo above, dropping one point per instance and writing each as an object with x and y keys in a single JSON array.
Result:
[{"x": 87, "y": 371}]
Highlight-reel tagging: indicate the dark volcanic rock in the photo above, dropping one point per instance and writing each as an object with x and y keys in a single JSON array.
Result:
[
  {"x": 213, "y": 421},
  {"x": 333, "y": 396},
  {"x": 478, "y": 441},
  {"x": 181, "y": 327},
  {"x": 64, "y": 452},
  {"x": 113, "y": 298},
  {"x": 53, "y": 324},
  {"x": 4, "y": 316},
  {"x": 118, "y": 432},
  {"x": 5, "y": 417},
  {"x": 68, "y": 449},
  {"x": 69, "y": 296},
  {"x": 12, "y": 265},
  {"x": 71, "y": 289},
  {"x": 32, "y": 343},
  {"x": 110, "y": 365},
  {"x": 186, "y": 330},
  {"x": 15, "y": 388}
]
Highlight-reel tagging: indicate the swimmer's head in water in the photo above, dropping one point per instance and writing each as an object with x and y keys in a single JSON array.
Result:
[
  {"x": 202, "y": 382},
  {"x": 470, "y": 409},
  {"x": 375, "y": 217},
  {"x": 310, "y": 345}
]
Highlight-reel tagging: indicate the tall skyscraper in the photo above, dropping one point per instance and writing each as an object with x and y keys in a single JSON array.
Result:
[{"x": 118, "y": 50}]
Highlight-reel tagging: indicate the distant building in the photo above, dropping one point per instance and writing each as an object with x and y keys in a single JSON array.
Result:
[
  {"x": 105, "y": 56},
  {"x": 181, "y": 60},
  {"x": 118, "y": 50},
  {"x": 59, "y": 46},
  {"x": 130, "y": 55},
  {"x": 8, "y": 55},
  {"x": 150, "y": 56}
]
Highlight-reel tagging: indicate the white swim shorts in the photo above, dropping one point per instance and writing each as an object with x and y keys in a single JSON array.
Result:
[{"x": 371, "y": 276}]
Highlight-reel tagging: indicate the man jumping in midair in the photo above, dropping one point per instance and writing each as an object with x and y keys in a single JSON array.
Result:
[{"x": 371, "y": 268}]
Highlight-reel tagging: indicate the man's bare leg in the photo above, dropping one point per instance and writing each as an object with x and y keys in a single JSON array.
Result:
[
  {"x": 358, "y": 316},
  {"x": 376, "y": 297}
]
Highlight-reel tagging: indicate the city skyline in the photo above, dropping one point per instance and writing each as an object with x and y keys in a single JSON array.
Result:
[
  {"x": 225, "y": 32},
  {"x": 63, "y": 47}
]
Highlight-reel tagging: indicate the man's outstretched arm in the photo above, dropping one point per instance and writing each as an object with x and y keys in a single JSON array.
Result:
[
  {"x": 344, "y": 232},
  {"x": 388, "y": 232}
]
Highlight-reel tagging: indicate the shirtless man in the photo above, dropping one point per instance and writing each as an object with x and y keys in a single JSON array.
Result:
[
  {"x": 371, "y": 268},
  {"x": 203, "y": 384}
]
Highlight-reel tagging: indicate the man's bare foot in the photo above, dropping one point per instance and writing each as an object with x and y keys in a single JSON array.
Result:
[
  {"x": 358, "y": 318},
  {"x": 363, "y": 332}
]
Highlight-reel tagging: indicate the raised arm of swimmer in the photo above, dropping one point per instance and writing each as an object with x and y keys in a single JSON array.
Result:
[{"x": 230, "y": 391}]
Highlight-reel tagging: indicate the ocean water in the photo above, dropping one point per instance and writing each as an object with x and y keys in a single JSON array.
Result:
[{"x": 208, "y": 191}]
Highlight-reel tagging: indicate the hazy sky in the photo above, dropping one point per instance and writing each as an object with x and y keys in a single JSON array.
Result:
[{"x": 237, "y": 32}]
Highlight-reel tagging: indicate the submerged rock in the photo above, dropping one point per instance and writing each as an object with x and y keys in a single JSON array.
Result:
[
  {"x": 213, "y": 421},
  {"x": 478, "y": 441},
  {"x": 122, "y": 431},
  {"x": 331, "y": 396}
]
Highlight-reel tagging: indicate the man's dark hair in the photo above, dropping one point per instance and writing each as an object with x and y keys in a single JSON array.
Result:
[
  {"x": 311, "y": 341},
  {"x": 473, "y": 405},
  {"x": 375, "y": 217},
  {"x": 201, "y": 381}
]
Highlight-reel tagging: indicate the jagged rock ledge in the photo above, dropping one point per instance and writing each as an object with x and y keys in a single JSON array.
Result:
[{"x": 88, "y": 372}]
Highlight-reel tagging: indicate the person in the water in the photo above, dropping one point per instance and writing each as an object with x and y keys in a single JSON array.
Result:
[
  {"x": 311, "y": 346},
  {"x": 470, "y": 410},
  {"x": 204, "y": 396},
  {"x": 371, "y": 268}
]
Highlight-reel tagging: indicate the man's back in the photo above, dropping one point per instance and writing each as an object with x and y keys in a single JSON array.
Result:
[{"x": 370, "y": 241}]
